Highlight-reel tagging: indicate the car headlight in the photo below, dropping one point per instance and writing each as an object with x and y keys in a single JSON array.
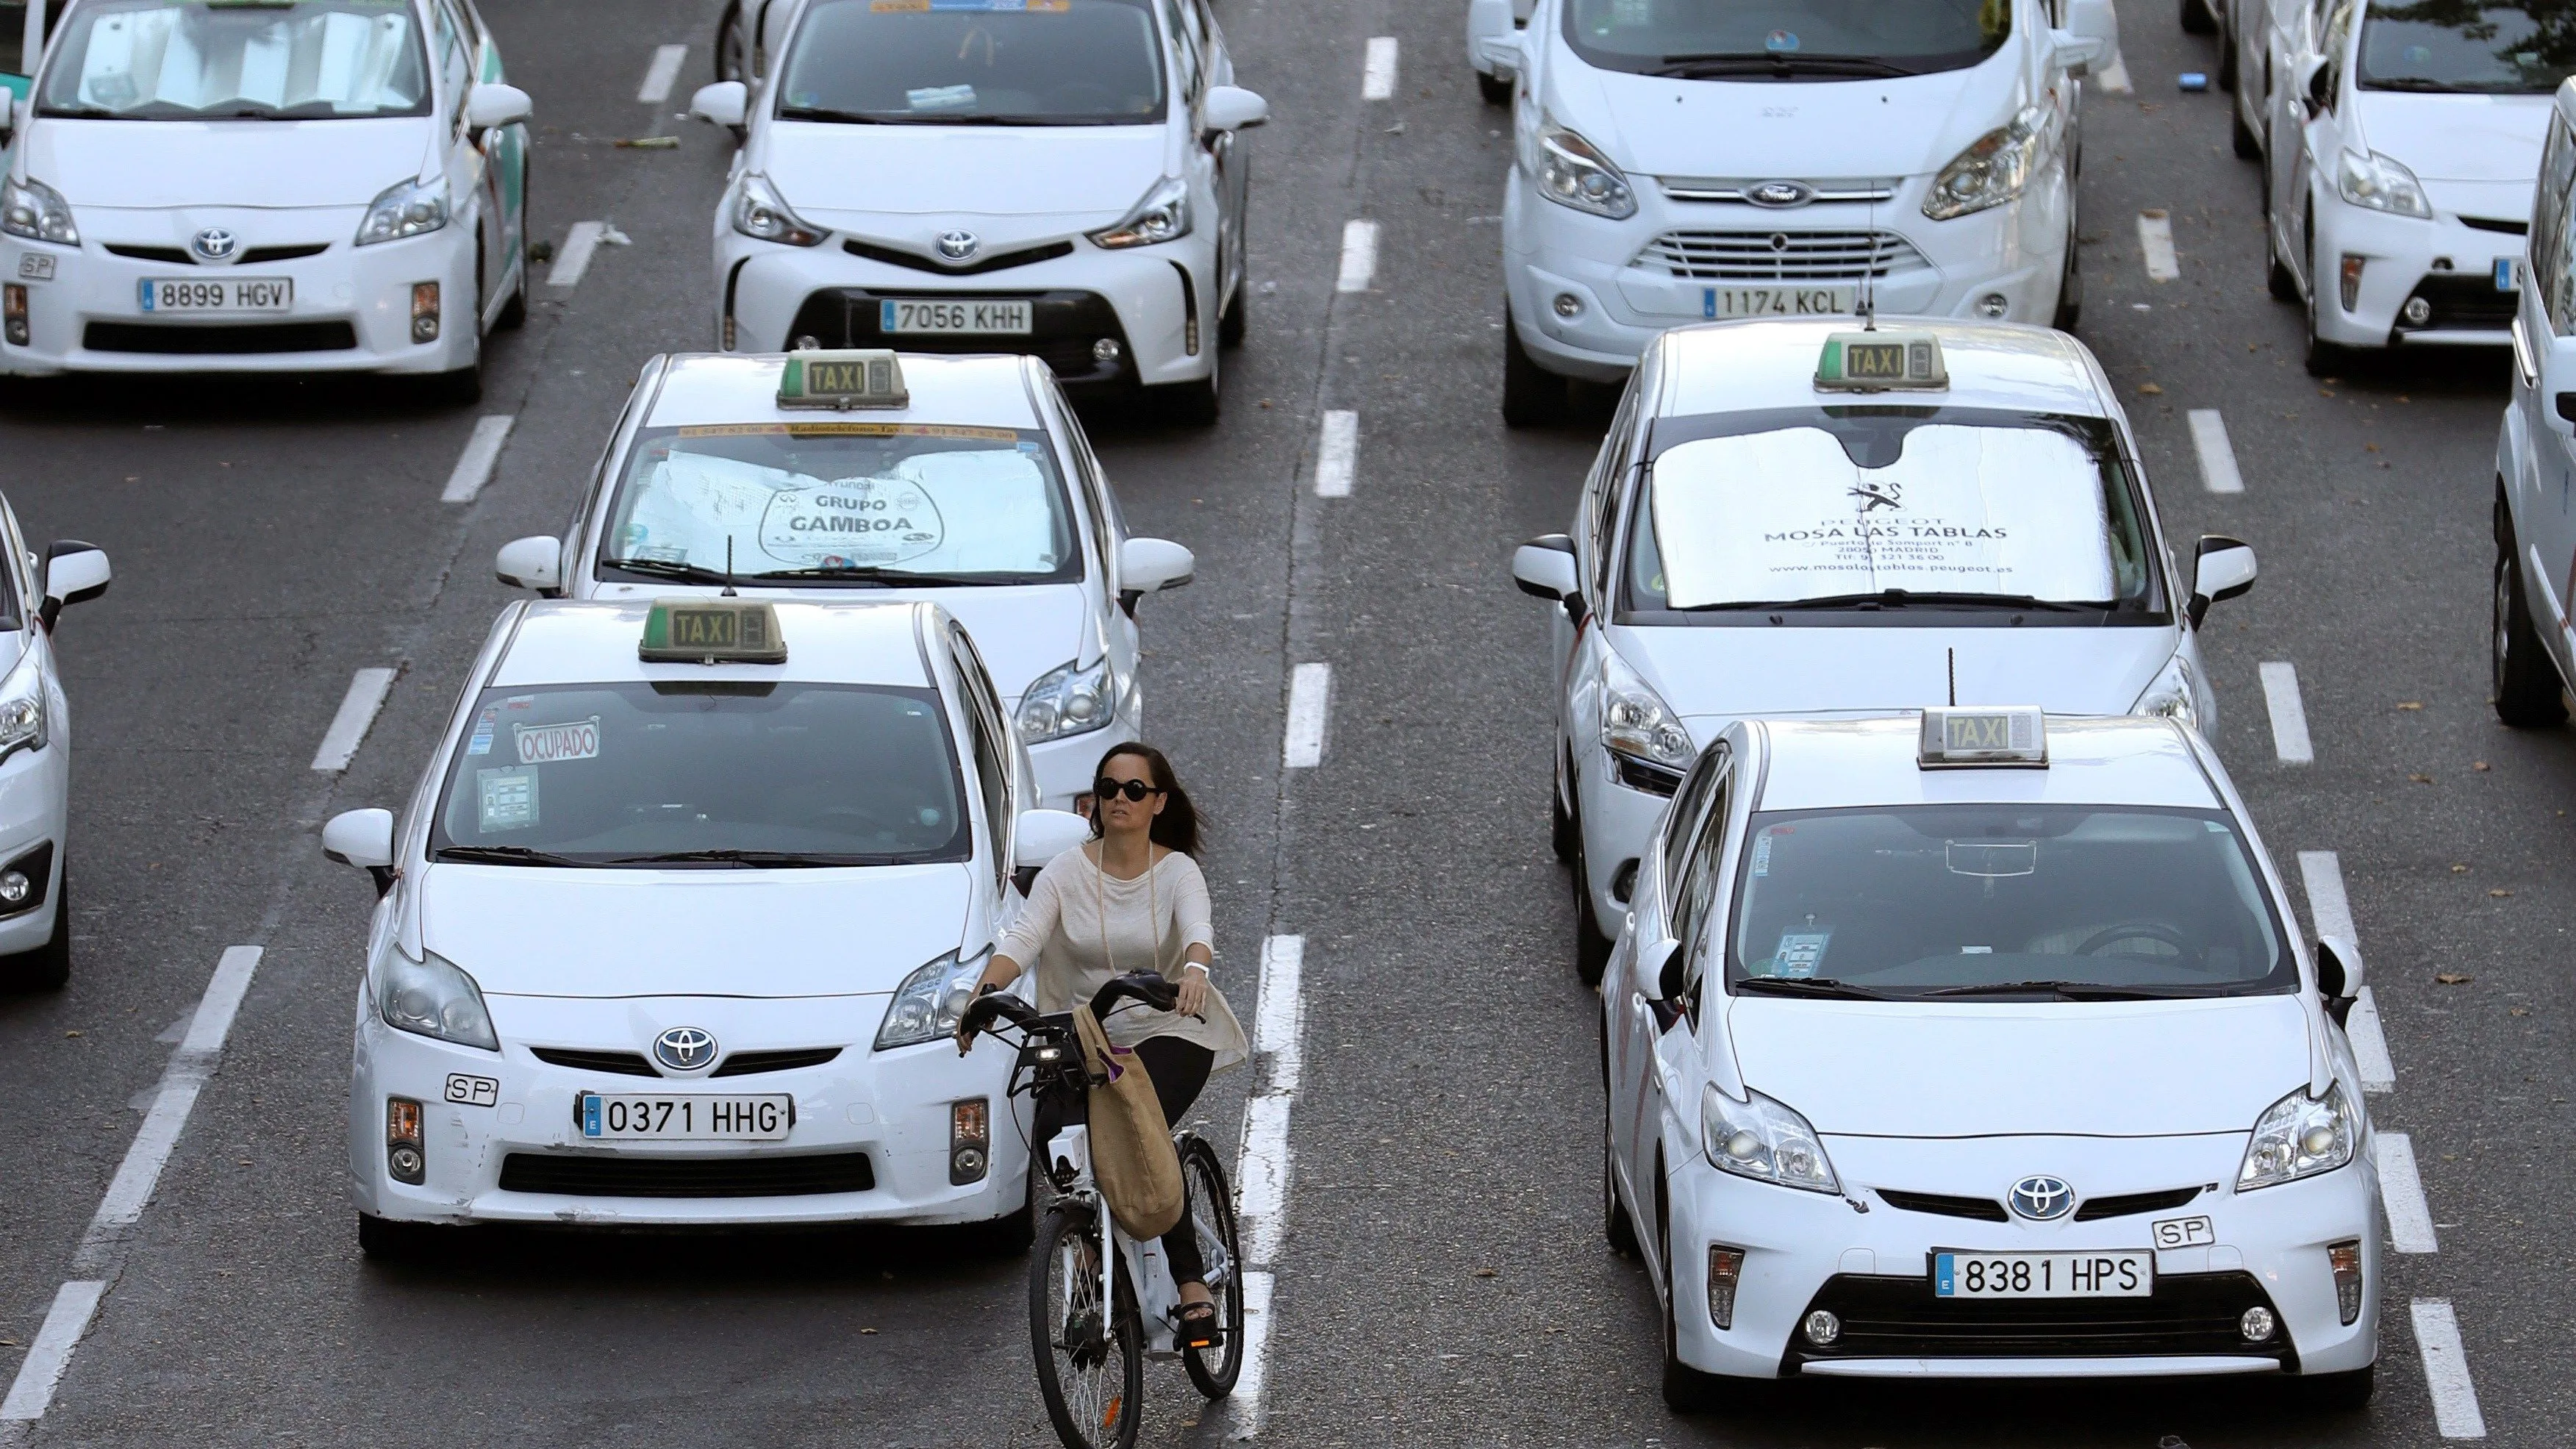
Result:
[
  {"x": 1164, "y": 215},
  {"x": 2174, "y": 695},
  {"x": 2380, "y": 183},
  {"x": 1637, "y": 723},
  {"x": 1067, "y": 700},
  {"x": 2300, "y": 1136},
  {"x": 926, "y": 1006},
  {"x": 1571, "y": 171},
  {"x": 1763, "y": 1140},
  {"x": 406, "y": 208},
  {"x": 1995, "y": 167},
  {"x": 759, "y": 211},
  {"x": 30, "y": 208},
  {"x": 433, "y": 997},
  {"x": 22, "y": 707}
]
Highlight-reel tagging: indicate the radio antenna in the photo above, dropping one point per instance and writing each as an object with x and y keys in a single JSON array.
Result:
[
  {"x": 730, "y": 592},
  {"x": 1868, "y": 300},
  {"x": 1954, "y": 677}
]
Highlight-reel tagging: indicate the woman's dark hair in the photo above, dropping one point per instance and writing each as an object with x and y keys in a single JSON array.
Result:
[{"x": 1177, "y": 828}]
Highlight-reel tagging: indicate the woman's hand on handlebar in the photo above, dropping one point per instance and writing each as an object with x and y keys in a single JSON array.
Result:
[{"x": 1192, "y": 992}]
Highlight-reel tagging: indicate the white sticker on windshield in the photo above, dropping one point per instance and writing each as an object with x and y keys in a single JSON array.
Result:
[
  {"x": 940, "y": 98},
  {"x": 1762, "y": 854},
  {"x": 854, "y": 521},
  {"x": 481, "y": 742},
  {"x": 1798, "y": 954},
  {"x": 506, "y": 799},
  {"x": 550, "y": 744}
]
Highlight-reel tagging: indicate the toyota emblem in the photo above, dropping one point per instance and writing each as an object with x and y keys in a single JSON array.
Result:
[
  {"x": 214, "y": 244},
  {"x": 957, "y": 246},
  {"x": 1780, "y": 194},
  {"x": 684, "y": 1048},
  {"x": 2042, "y": 1198}
]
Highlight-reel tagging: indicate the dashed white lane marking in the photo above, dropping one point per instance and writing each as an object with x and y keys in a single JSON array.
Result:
[
  {"x": 2370, "y": 1045},
  {"x": 1262, "y": 1168},
  {"x": 659, "y": 76},
  {"x": 1309, "y": 697},
  {"x": 2446, "y": 1370},
  {"x": 2289, "y": 718},
  {"x": 1246, "y": 1398},
  {"x": 2155, "y": 242},
  {"x": 2401, "y": 1192},
  {"x": 42, "y": 1368},
  {"x": 474, "y": 465},
  {"x": 2217, "y": 460},
  {"x": 1377, "y": 74},
  {"x": 2115, "y": 77},
  {"x": 1359, "y": 256},
  {"x": 2330, "y": 912},
  {"x": 580, "y": 244},
  {"x": 1337, "y": 454},
  {"x": 1279, "y": 1027},
  {"x": 349, "y": 727}
]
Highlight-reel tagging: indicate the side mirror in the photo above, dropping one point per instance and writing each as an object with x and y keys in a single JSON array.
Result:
[
  {"x": 1502, "y": 54},
  {"x": 1045, "y": 834},
  {"x": 492, "y": 104},
  {"x": 2223, "y": 569},
  {"x": 2074, "y": 53},
  {"x": 1232, "y": 108},
  {"x": 1544, "y": 568},
  {"x": 75, "y": 572},
  {"x": 2316, "y": 83},
  {"x": 2094, "y": 24},
  {"x": 725, "y": 103},
  {"x": 2339, "y": 975},
  {"x": 1146, "y": 565},
  {"x": 2567, "y": 407},
  {"x": 9, "y": 110},
  {"x": 363, "y": 838},
  {"x": 531, "y": 563}
]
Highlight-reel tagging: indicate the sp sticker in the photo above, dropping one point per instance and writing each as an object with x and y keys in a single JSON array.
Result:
[
  {"x": 486, "y": 1091},
  {"x": 35, "y": 267},
  {"x": 2192, "y": 1232}
]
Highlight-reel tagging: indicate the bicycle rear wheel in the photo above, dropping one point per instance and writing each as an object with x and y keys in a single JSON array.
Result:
[
  {"x": 1210, "y": 1200},
  {"x": 1090, "y": 1355}
]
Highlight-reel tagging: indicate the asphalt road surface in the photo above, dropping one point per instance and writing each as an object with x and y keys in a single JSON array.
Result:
[{"x": 1426, "y": 1130}]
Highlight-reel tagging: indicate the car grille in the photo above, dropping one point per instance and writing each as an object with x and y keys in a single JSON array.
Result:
[
  {"x": 1709, "y": 188},
  {"x": 745, "y": 1064},
  {"x": 203, "y": 341},
  {"x": 1780, "y": 256},
  {"x": 175, "y": 256},
  {"x": 751, "y": 1175},
  {"x": 2497, "y": 223},
  {"x": 1063, "y": 326},
  {"x": 1983, "y": 1209},
  {"x": 998, "y": 261},
  {"x": 624, "y": 1064},
  {"x": 182, "y": 257},
  {"x": 2189, "y": 1313},
  {"x": 2461, "y": 299},
  {"x": 2094, "y": 1209}
]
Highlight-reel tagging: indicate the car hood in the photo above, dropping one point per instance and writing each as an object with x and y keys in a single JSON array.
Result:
[
  {"x": 533, "y": 931},
  {"x": 917, "y": 181},
  {"x": 253, "y": 164},
  {"x": 1712, "y": 674},
  {"x": 2094, "y": 1069},
  {"x": 2458, "y": 138}
]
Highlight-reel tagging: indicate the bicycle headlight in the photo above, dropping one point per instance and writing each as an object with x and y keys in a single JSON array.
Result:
[
  {"x": 1636, "y": 722},
  {"x": 406, "y": 208},
  {"x": 759, "y": 211},
  {"x": 2380, "y": 183},
  {"x": 22, "y": 707},
  {"x": 926, "y": 1006},
  {"x": 1067, "y": 700},
  {"x": 2300, "y": 1136},
  {"x": 1571, "y": 171},
  {"x": 32, "y": 209},
  {"x": 1164, "y": 215},
  {"x": 1763, "y": 1140},
  {"x": 1995, "y": 167},
  {"x": 433, "y": 997},
  {"x": 2174, "y": 695}
]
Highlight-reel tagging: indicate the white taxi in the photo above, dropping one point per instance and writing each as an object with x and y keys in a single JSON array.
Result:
[
  {"x": 1059, "y": 177},
  {"x": 1789, "y": 517},
  {"x": 35, "y": 754},
  {"x": 292, "y": 185},
  {"x": 961, "y": 479},
  {"x": 1978, "y": 1043},
  {"x": 676, "y": 926}
]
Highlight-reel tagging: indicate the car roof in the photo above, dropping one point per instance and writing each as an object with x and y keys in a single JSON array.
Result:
[
  {"x": 1729, "y": 367},
  {"x": 1828, "y": 764},
  {"x": 583, "y": 641},
  {"x": 699, "y": 388}
]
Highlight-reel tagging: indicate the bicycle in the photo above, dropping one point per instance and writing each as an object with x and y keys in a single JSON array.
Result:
[{"x": 1095, "y": 1316}]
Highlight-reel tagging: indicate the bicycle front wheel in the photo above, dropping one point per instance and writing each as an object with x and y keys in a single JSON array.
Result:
[
  {"x": 1210, "y": 1200},
  {"x": 1090, "y": 1353}
]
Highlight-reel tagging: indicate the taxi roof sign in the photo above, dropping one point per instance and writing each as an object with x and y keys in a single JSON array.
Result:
[
  {"x": 1968, "y": 737},
  {"x": 1881, "y": 362},
  {"x": 866, "y": 377},
  {"x": 711, "y": 631}
]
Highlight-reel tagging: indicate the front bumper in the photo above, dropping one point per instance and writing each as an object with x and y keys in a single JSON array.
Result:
[
  {"x": 35, "y": 790},
  {"x": 870, "y": 1141},
  {"x": 2447, "y": 262},
  {"x": 1805, "y": 1251}
]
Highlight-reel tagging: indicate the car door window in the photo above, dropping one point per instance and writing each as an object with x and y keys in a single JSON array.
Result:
[
  {"x": 1601, "y": 492},
  {"x": 2550, "y": 233},
  {"x": 1699, "y": 874},
  {"x": 455, "y": 61},
  {"x": 1682, "y": 818},
  {"x": 992, "y": 757},
  {"x": 1185, "y": 49},
  {"x": 2337, "y": 41}
]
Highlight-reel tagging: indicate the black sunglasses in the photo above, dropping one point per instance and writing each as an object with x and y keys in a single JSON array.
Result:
[{"x": 1104, "y": 787}]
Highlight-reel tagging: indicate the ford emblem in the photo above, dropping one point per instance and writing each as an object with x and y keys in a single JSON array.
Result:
[
  {"x": 214, "y": 244},
  {"x": 957, "y": 246},
  {"x": 2042, "y": 1198},
  {"x": 684, "y": 1048},
  {"x": 1780, "y": 194}
]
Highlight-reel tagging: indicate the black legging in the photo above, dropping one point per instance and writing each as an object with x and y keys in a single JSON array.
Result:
[{"x": 1179, "y": 1069}]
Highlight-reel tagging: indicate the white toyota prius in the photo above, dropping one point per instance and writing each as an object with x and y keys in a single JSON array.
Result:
[
  {"x": 280, "y": 186},
  {"x": 1978, "y": 1043},
  {"x": 965, "y": 480},
  {"x": 676, "y": 926},
  {"x": 1790, "y": 516}
]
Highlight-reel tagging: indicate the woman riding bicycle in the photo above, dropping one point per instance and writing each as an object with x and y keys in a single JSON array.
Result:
[{"x": 1133, "y": 900}]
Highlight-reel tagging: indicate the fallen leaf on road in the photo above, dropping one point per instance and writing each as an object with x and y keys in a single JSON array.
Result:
[
  {"x": 1488, "y": 1272},
  {"x": 2499, "y": 894},
  {"x": 2421, "y": 779},
  {"x": 2151, "y": 389},
  {"x": 2517, "y": 1011},
  {"x": 2459, "y": 870},
  {"x": 2453, "y": 978},
  {"x": 2480, "y": 766},
  {"x": 2370, "y": 447},
  {"x": 2410, "y": 704},
  {"x": 71, "y": 1033}
]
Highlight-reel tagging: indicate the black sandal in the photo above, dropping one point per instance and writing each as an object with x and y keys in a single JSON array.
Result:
[{"x": 1198, "y": 1327}]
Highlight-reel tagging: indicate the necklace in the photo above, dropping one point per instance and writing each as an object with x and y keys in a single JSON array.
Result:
[{"x": 1153, "y": 906}]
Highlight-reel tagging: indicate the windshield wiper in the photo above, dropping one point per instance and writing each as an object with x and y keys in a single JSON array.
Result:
[
  {"x": 2424, "y": 85},
  {"x": 85, "y": 113},
  {"x": 1776, "y": 64},
  {"x": 874, "y": 576},
  {"x": 2065, "y": 991},
  {"x": 827, "y": 113},
  {"x": 1807, "y": 986},
  {"x": 505, "y": 855},
  {"x": 782, "y": 858},
  {"x": 1899, "y": 599},
  {"x": 670, "y": 569}
]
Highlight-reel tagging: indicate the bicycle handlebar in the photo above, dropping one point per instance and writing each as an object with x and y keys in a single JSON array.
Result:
[
  {"x": 1148, "y": 987},
  {"x": 1145, "y": 986}
]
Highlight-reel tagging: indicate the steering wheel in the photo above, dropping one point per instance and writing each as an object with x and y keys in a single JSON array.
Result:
[{"x": 2141, "y": 930}]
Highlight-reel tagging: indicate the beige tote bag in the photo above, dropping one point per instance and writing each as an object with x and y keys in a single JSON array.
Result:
[{"x": 1131, "y": 1145}]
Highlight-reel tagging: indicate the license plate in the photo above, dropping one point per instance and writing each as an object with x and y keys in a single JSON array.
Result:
[
  {"x": 647, "y": 1117},
  {"x": 1777, "y": 301},
  {"x": 224, "y": 294},
  {"x": 2504, "y": 281},
  {"x": 897, "y": 314},
  {"x": 2124, "y": 1274}
]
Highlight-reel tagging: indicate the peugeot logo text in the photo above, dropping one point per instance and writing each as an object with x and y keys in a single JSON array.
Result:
[
  {"x": 685, "y": 1049},
  {"x": 1779, "y": 195},
  {"x": 2042, "y": 1198},
  {"x": 214, "y": 244},
  {"x": 957, "y": 246}
]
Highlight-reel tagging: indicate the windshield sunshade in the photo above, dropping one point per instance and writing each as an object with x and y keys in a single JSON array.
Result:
[
  {"x": 842, "y": 502},
  {"x": 276, "y": 60},
  {"x": 967, "y": 62},
  {"x": 2430, "y": 46},
  {"x": 677, "y": 774},
  {"x": 1837, "y": 39},
  {"x": 2046, "y": 901}
]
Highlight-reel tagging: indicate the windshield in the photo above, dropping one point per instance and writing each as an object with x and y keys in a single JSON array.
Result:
[
  {"x": 1844, "y": 507},
  {"x": 842, "y": 503},
  {"x": 144, "y": 60},
  {"x": 2445, "y": 45},
  {"x": 625, "y": 774},
  {"x": 1927, "y": 900},
  {"x": 976, "y": 62},
  {"x": 1786, "y": 39}
]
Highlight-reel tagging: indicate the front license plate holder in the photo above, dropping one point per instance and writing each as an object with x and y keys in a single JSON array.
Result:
[
  {"x": 2108, "y": 1273},
  {"x": 673, "y": 1117},
  {"x": 1782, "y": 300},
  {"x": 955, "y": 316},
  {"x": 215, "y": 296}
]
